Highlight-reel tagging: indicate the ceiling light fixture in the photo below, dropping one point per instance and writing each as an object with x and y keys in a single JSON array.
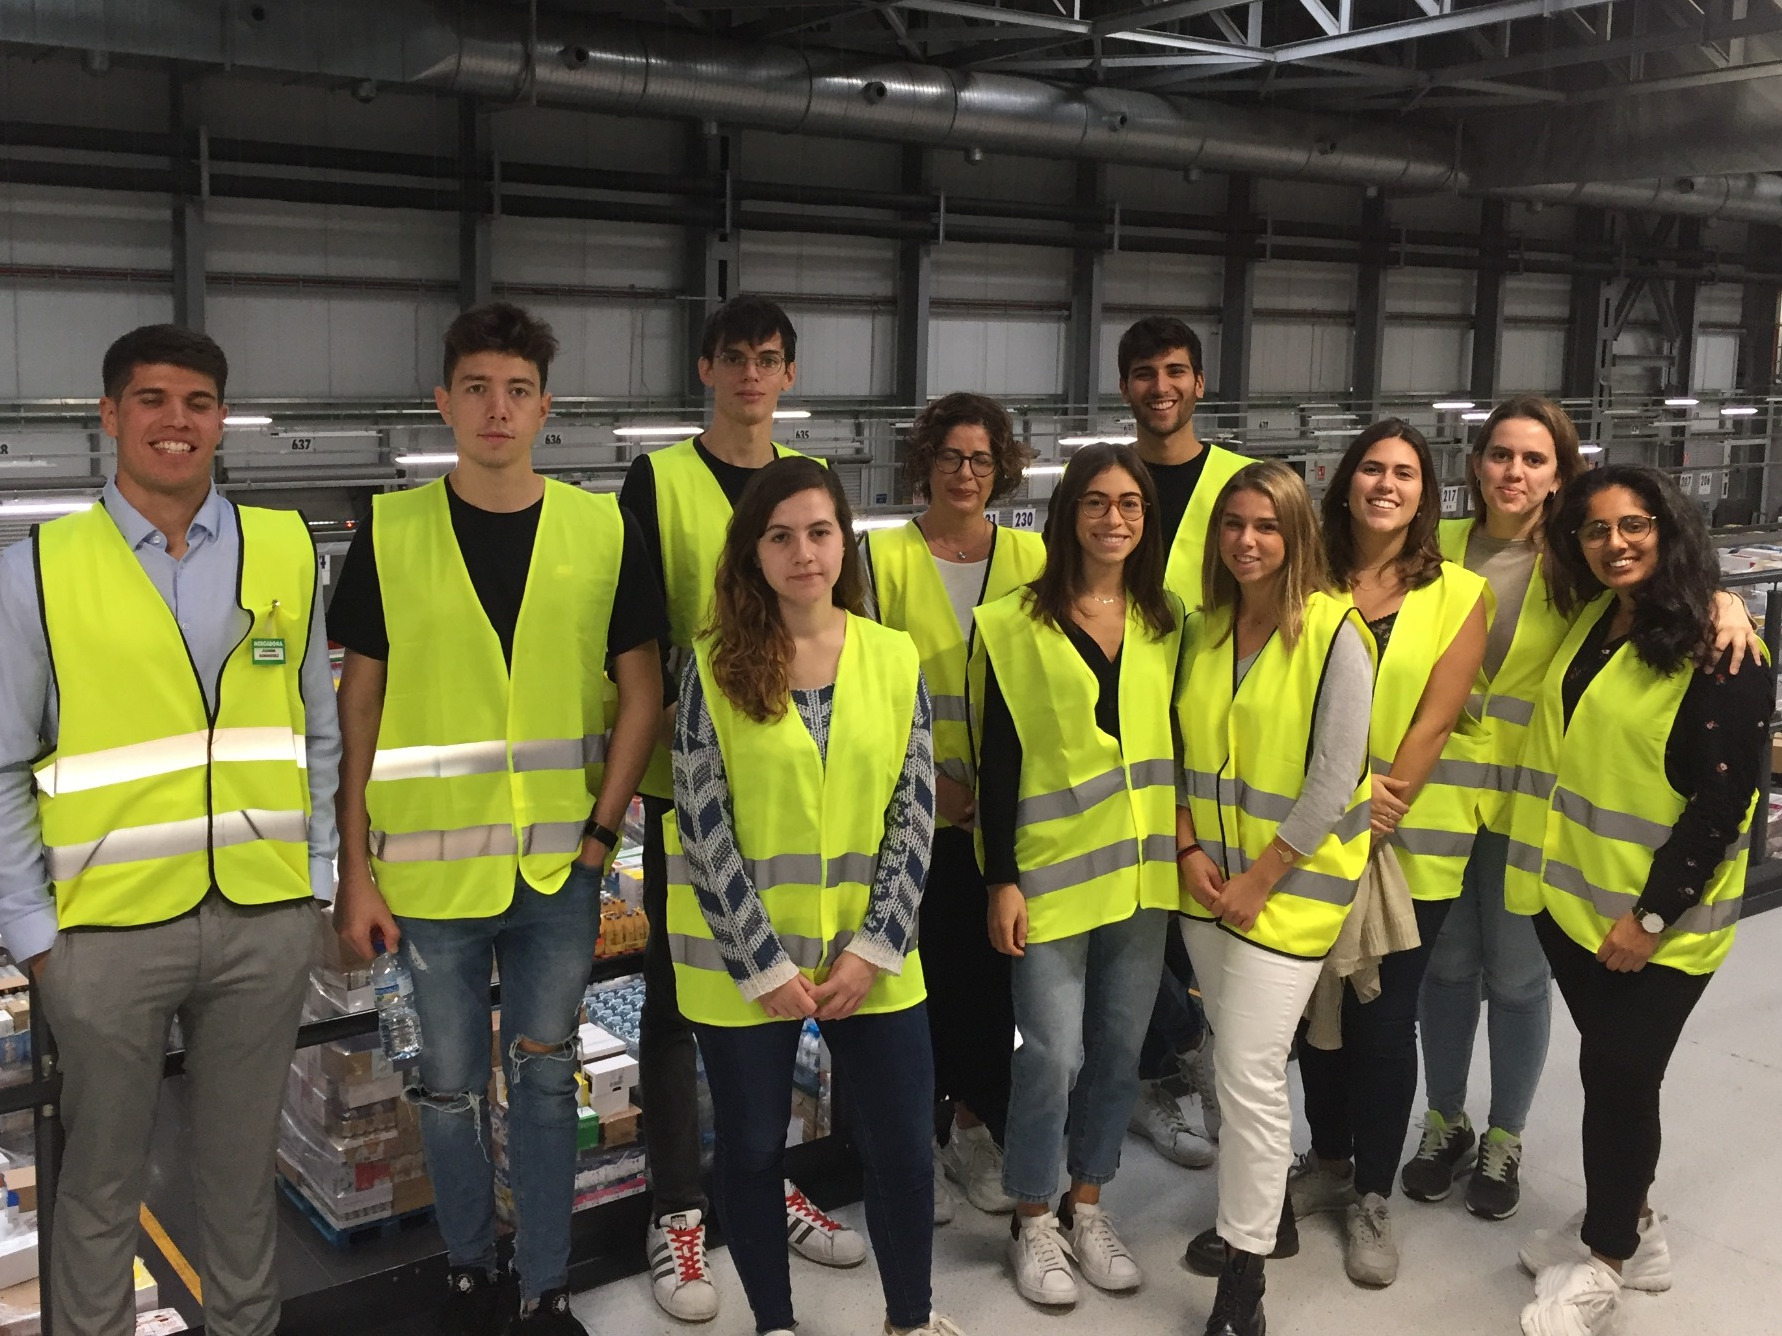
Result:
[
  {"x": 247, "y": 420},
  {"x": 47, "y": 507},
  {"x": 1452, "y": 405},
  {"x": 426, "y": 458},
  {"x": 656, "y": 431}
]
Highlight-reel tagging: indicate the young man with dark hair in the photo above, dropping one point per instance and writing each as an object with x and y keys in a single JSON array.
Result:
[
  {"x": 481, "y": 791},
  {"x": 1162, "y": 380},
  {"x": 683, "y": 495},
  {"x": 168, "y": 759}
]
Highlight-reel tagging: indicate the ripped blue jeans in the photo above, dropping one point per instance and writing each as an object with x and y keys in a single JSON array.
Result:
[{"x": 544, "y": 945}]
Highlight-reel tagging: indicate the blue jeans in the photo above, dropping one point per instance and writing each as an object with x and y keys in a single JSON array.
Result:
[
  {"x": 884, "y": 1078},
  {"x": 544, "y": 945},
  {"x": 1081, "y": 1005},
  {"x": 1485, "y": 951}
]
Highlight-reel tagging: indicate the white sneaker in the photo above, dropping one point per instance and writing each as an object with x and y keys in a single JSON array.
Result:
[
  {"x": 1370, "y": 1252},
  {"x": 817, "y": 1236},
  {"x": 972, "y": 1159},
  {"x": 679, "y": 1277},
  {"x": 1313, "y": 1188},
  {"x": 1577, "y": 1299},
  {"x": 1648, "y": 1269},
  {"x": 1041, "y": 1261},
  {"x": 1102, "y": 1258},
  {"x": 1198, "y": 1066},
  {"x": 935, "y": 1326},
  {"x": 943, "y": 1195},
  {"x": 1157, "y": 1116}
]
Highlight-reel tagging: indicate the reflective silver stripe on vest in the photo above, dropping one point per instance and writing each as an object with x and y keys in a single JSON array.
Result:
[
  {"x": 1083, "y": 868},
  {"x": 1267, "y": 806},
  {"x": 950, "y": 708},
  {"x": 1511, "y": 709},
  {"x": 1475, "y": 704},
  {"x": 560, "y": 753},
  {"x": 1149, "y": 774},
  {"x": 1454, "y": 774},
  {"x": 1524, "y": 857},
  {"x": 807, "y": 953},
  {"x": 1308, "y": 885},
  {"x": 450, "y": 762},
  {"x": 1354, "y": 823},
  {"x": 1074, "y": 801},
  {"x": 166, "y": 756},
  {"x": 168, "y": 839},
  {"x": 1608, "y": 823},
  {"x": 1535, "y": 783},
  {"x": 1613, "y": 904},
  {"x": 790, "y": 870},
  {"x": 1434, "y": 843},
  {"x": 448, "y": 846}
]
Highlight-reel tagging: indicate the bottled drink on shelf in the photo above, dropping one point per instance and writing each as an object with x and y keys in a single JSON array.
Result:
[{"x": 398, "y": 1024}]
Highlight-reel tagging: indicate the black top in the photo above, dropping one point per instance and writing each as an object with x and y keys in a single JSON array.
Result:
[
  {"x": 1716, "y": 746},
  {"x": 999, "y": 765},
  {"x": 497, "y": 551},
  {"x": 1382, "y": 631},
  {"x": 1175, "y": 488}
]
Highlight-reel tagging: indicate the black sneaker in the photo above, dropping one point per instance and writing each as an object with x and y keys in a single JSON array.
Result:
[
  {"x": 473, "y": 1304},
  {"x": 1206, "y": 1250},
  {"x": 1447, "y": 1149},
  {"x": 551, "y": 1317},
  {"x": 1496, "y": 1188},
  {"x": 1237, "y": 1307}
]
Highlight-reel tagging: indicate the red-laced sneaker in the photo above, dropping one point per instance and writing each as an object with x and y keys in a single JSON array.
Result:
[
  {"x": 820, "y": 1237},
  {"x": 679, "y": 1277}
]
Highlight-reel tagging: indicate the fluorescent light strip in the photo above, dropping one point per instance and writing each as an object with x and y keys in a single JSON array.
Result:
[
  {"x": 656, "y": 431},
  {"x": 24, "y": 463},
  {"x": 1475, "y": 416},
  {"x": 1586, "y": 448},
  {"x": 1682, "y": 401},
  {"x": 1452, "y": 405},
  {"x": 1042, "y": 470},
  {"x": 425, "y": 458},
  {"x": 1738, "y": 410},
  {"x": 791, "y": 414},
  {"x": 864, "y": 522},
  {"x": 247, "y": 420},
  {"x": 18, "y": 509},
  {"x": 1097, "y": 440}
]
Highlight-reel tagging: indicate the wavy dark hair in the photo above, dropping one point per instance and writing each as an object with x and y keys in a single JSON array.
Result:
[
  {"x": 1560, "y": 427},
  {"x": 499, "y": 327},
  {"x": 928, "y": 437},
  {"x": 1419, "y": 562},
  {"x": 1673, "y": 611},
  {"x": 1049, "y": 597},
  {"x": 751, "y": 647}
]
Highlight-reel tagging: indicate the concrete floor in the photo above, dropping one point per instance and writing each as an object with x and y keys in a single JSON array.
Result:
[{"x": 1459, "y": 1275}]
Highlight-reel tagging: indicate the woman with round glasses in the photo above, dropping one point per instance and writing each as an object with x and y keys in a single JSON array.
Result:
[
  {"x": 926, "y": 578},
  {"x": 1076, "y": 806},
  {"x": 1526, "y": 452},
  {"x": 1627, "y": 845},
  {"x": 1272, "y": 833},
  {"x": 1428, "y": 619}
]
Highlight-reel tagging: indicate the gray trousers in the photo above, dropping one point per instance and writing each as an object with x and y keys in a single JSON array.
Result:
[{"x": 236, "y": 977}]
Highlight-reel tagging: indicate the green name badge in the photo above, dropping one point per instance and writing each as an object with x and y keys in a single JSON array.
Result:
[{"x": 268, "y": 651}]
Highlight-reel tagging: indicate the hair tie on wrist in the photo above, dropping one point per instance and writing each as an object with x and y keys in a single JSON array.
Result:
[{"x": 1187, "y": 849}]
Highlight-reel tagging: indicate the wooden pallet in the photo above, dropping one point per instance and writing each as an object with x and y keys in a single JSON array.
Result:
[{"x": 345, "y": 1238}]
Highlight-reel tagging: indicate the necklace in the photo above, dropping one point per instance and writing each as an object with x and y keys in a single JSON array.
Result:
[
  {"x": 1103, "y": 601},
  {"x": 959, "y": 553}
]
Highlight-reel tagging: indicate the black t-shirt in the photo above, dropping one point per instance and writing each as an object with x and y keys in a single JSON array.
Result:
[
  {"x": 1175, "y": 488},
  {"x": 497, "y": 551}
]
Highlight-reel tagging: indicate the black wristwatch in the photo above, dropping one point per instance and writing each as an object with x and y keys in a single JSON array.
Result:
[{"x": 594, "y": 830}]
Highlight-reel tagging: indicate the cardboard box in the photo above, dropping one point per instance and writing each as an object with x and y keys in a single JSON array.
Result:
[
  {"x": 18, "y": 1258},
  {"x": 351, "y": 1060},
  {"x": 411, "y": 1195},
  {"x": 587, "y": 1128},
  {"x": 619, "y": 1129},
  {"x": 597, "y": 1043},
  {"x": 609, "y": 1084},
  {"x": 22, "y": 1179}
]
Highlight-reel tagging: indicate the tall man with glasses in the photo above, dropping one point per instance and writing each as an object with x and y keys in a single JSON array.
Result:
[
  {"x": 1162, "y": 381},
  {"x": 683, "y": 496}
]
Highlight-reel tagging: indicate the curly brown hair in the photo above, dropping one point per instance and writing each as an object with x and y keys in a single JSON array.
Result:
[
  {"x": 751, "y": 648},
  {"x": 928, "y": 437}
]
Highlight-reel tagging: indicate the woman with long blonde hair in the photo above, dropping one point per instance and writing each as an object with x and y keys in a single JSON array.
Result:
[
  {"x": 1272, "y": 833},
  {"x": 804, "y": 793}
]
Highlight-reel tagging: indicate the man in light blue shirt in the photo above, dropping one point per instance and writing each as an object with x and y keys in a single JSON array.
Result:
[{"x": 232, "y": 968}]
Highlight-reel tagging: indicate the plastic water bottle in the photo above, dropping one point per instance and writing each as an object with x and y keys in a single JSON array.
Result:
[{"x": 398, "y": 1025}]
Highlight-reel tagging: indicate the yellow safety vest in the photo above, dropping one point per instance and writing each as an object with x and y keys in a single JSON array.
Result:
[
  {"x": 1244, "y": 762},
  {"x": 808, "y": 826},
  {"x": 1505, "y": 703},
  {"x": 692, "y": 519},
  {"x": 1592, "y": 807},
  {"x": 482, "y": 774},
  {"x": 1182, "y": 572},
  {"x": 912, "y": 598},
  {"x": 1435, "y": 838},
  {"x": 1095, "y": 820},
  {"x": 150, "y": 798}
]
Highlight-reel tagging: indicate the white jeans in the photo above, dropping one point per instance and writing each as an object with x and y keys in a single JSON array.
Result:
[{"x": 1254, "y": 999}]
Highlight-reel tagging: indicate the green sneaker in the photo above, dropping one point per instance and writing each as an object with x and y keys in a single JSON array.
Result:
[
  {"x": 1448, "y": 1149},
  {"x": 1496, "y": 1189}
]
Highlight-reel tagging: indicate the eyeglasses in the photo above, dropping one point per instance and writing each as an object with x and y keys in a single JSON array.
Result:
[
  {"x": 1095, "y": 505},
  {"x": 731, "y": 360},
  {"x": 1596, "y": 533},
  {"x": 951, "y": 461}
]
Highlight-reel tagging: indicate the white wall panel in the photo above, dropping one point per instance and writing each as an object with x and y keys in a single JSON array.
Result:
[
  {"x": 623, "y": 349},
  {"x": 53, "y": 337},
  {"x": 1420, "y": 358},
  {"x": 842, "y": 353},
  {"x": 1184, "y": 285},
  {"x": 1011, "y": 357},
  {"x": 788, "y": 262},
  {"x": 1303, "y": 335},
  {"x": 256, "y": 237},
  {"x": 1305, "y": 285},
  {"x": 49, "y": 225},
  {"x": 573, "y": 252},
  {"x": 982, "y": 272},
  {"x": 329, "y": 343},
  {"x": 1533, "y": 361},
  {"x": 1716, "y": 362},
  {"x": 1537, "y": 296}
]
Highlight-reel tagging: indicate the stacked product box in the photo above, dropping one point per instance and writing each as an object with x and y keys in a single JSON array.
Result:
[
  {"x": 811, "y": 1084},
  {"x": 617, "y": 1007},
  {"x": 347, "y": 1139}
]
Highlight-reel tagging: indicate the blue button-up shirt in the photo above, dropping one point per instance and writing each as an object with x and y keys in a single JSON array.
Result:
[{"x": 200, "y": 590}]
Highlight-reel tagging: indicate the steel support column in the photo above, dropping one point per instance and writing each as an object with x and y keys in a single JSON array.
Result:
[
  {"x": 915, "y": 293},
  {"x": 1758, "y": 306},
  {"x": 1238, "y": 306},
  {"x": 477, "y": 199},
  {"x": 189, "y": 171},
  {"x": 1588, "y": 326},
  {"x": 1488, "y": 301},
  {"x": 714, "y": 251},
  {"x": 1370, "y": 306},
  {"x": 1683, "y": 295},
  {"x": 1082, "y": 366}
]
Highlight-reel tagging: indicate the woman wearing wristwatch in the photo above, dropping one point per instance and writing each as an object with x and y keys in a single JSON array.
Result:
[
  {"x": 1627, "y": 845},
  {"x": 1272, "y": 831}
]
